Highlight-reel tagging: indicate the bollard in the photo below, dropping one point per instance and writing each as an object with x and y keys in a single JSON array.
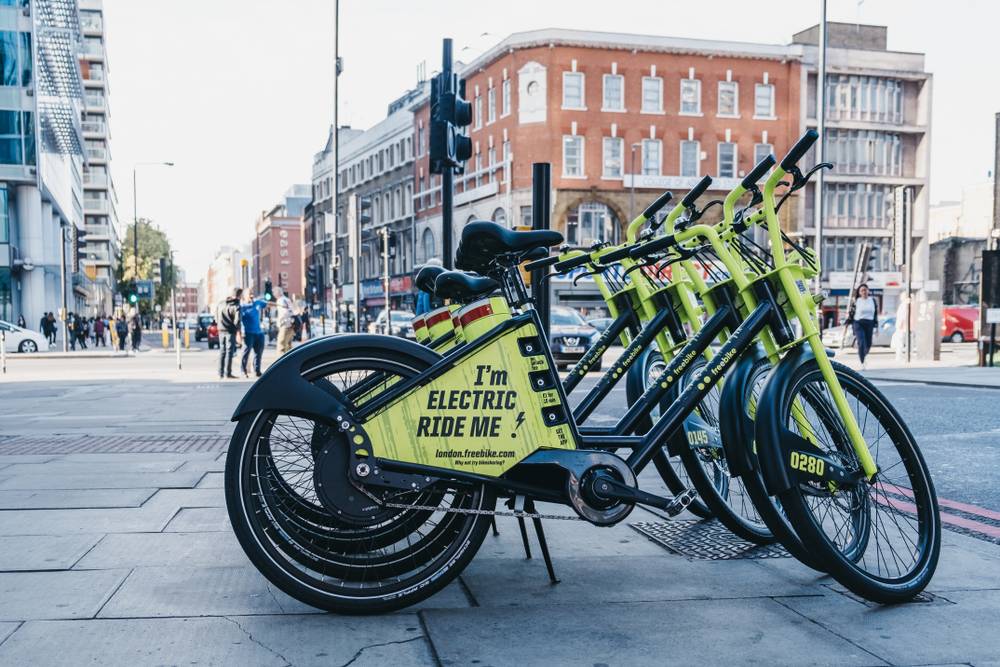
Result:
[
  {"x": 165, "y": 334},
  {"x": 187, "y": 338}
]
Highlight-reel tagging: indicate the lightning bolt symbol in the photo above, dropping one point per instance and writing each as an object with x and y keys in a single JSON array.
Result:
[{"x": 520, "y": 420}]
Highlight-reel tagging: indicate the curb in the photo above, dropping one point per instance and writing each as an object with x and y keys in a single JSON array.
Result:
[{"x": 939, "y": 383}]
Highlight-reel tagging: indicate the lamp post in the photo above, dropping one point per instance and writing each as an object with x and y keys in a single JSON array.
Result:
[{"x": 135, "y": 214}]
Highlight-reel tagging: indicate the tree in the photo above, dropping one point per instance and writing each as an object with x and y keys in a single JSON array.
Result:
[{"x": 153, "y": 244}]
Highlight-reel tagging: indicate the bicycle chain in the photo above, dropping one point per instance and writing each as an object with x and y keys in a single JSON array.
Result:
[{"x": 520, "y": 514}]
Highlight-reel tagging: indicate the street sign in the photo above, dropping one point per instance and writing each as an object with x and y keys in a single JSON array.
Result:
[
  {"x": 993, "y": 316},
  {"x": 144, "y": 288}
]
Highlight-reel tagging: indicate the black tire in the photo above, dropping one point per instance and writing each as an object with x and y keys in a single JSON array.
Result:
[
  {"x": 725, "y": 496},
  {"x": 769, "y": 507},
  {"x": 670, "y": 468},
  {"x": 901, "y": 500},
  {"x": 305, "y": 550}
]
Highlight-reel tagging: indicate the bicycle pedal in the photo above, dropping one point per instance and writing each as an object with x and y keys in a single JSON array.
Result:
[{"x": 680, "y": 502}]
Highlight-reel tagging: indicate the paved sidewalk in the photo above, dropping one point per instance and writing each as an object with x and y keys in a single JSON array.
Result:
[{"x": 128, "y": 559}]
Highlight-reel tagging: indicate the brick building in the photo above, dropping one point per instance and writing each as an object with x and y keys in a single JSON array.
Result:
[
  {"x": 620, "y": 118},
  {"x": 278, "y": 253}
]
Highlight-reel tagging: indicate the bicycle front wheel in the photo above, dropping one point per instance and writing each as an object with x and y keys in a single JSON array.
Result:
[{"x": 880, "y": 538}]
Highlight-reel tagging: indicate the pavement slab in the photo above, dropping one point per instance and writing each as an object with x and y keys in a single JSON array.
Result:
[
  {"x": 217, "y": 549},
  {"x": 199, "y": 520},
  {"x": 70, "y": 522},
  {"x": 199, "y": 591},
  {"x": 63, "y": 467},
  {"x": 7, "y": 628},
  {"x": 104, "y": 480},
  {"x": 574, "y": 538},
  {"x": 591, "y": 580},
  {"x": 32, "y": 499},
  {"x": 961, "y": 627},
  {"x": 44, "y": 552},
  {"x": 56, "y": 595},
  {"x": 758, "y": 631}
]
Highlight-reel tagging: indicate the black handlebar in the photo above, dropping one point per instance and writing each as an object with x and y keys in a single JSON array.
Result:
[
  {"x": 758, "y": 172},
  {"x": 541, "y": 263},
  {"x": 616, "y": 255},
  {"x": 800, "y": 148},
  {"x": 656, "y": 245},
  {"x": 571, "y": 263},
  {"x": 696, "y": 192},
  {"x": 657, "y": 204}
]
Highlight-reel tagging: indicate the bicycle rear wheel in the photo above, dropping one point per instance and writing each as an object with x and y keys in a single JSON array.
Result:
[{"x": 879, "y": 538}]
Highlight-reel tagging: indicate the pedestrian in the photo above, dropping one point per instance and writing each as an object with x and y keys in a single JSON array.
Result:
[
  {"x": 228, "y": 317},
  {"x": 53, "y": 328},
  {"x": 306, "y": 325},
  {"x": 99, "y": 332},
  {"x": 863, "y": 315},
  {"x": 20, "y": 321},
  {"x": 43, "y": 326},
  {"x": 121, "y": 331},
  {"x": 286, "y": 322},
  {"x": 82, "y": 330},
  {"x": 253, "y": 334},
  {"x": 135, "y": 329}
]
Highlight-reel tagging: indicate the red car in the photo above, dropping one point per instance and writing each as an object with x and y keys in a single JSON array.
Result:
[{"x": 958, "y": 323}]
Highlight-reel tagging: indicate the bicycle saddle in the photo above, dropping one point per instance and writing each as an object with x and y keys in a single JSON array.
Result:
[
  {"x": 483, "y": 240},
  {"x": 426, "y": 276},
  {"x": 459, "y": 286}
]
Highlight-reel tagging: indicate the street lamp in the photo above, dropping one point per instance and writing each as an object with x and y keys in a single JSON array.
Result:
[{"x": 135, "y": 214}]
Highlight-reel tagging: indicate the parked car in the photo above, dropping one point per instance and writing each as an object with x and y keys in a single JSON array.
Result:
[
  {"x": 212, "y": 332},
  {"x": 20, "y": 339},
  {"x": 841, "y": 336},
  {"x": 204, "y": 320},
  {"x": 601, "y": 323},
  {"x": 569, "y": 337},
  {"x": 958, "y": 323},
  {"x": 402, "y": 324}
]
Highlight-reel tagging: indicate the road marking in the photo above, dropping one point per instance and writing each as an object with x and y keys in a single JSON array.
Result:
[
  {"x": 961, "y": 522},
  {"x": 952, "y": 504}
]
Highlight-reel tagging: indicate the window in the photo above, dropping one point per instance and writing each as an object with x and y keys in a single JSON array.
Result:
[
  {"x": 526, "y": 216},
  {"x": 862, "y": 205},
  {"x": 17, "y": 137},
  {"x": 479, "y": 112},
  {"x": 427, "y": 241},
  {"x": 4, "y": 215},
  {"x": 573, "y": 96},
  {"x": 505, "y": 98},
  {"x": 763, "y": 100},
  {"x": 690, "y": 96},
  {"x": 506, "y": 160},
  {"x": 727, "y": 160},
  {"x": 591, "y": 222},
  {"x": 613, "y": 147},
  {"x": 652, "y": 94},
  {"x": 865, "y": 152},
  {"x": 500, "y": 217},
  {"x": 491, "y": 159},
  {"x": 761, "y": 151},
  {"x": 573, "y": 156},
  {"x": 690, "y": 158},
  {"x": 614, "y": 93},
  {"x": 491, "y": 105},
  {"x": 651, "y": 157},
  {"x": 729, "y": 98},
  {"x": 15, "y": 58}
]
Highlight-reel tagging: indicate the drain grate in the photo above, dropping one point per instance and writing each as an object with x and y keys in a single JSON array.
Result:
[
  {"x": 705, "y": 540},
  {"x": 101, "y": 444}
]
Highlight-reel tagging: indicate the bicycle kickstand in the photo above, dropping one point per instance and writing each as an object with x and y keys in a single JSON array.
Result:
[{"x": 542, "y": 543}]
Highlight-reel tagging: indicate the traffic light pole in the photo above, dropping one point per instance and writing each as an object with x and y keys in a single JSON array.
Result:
[
  {"x": 541, "y": 184},
  {"x": 385, "y": 284},
  {"x": 447, "y": 176},
  {"x": 64, "y": 316},
  {"x": 173, "y": 299}
]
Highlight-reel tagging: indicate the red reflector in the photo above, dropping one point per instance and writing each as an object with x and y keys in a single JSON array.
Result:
[
  {"x": 476, "y": 314},
  {"x": 433, "y": 319}
]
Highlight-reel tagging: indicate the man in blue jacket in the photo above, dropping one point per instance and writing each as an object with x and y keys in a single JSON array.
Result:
[{"x": 253, "y": 333}]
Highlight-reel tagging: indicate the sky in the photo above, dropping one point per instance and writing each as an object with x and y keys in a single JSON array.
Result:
[{"x": 239, "y": 93}]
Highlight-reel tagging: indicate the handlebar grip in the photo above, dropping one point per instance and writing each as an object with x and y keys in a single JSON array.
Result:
[
  {"x": 657, "y": 204},
  {"x": 656, "y": 245},
  {"x": 571, "y": 263},
  {"x": 541, "y": 263},
  {"x": 696, "y": 192},
  {"x": 758, "y": 172},
  {"x": 800, "y": 148},
  {"x": 616, "y": 255}
]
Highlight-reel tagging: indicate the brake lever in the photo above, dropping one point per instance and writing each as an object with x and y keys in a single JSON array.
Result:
[{"x": 583, "y": 275}]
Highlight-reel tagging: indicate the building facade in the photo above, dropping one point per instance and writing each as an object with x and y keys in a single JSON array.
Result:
[
  {"x": 41, "y": 159},
  {"x": 970, "y": 217},
  {"x": 620, "y": 117},
  {"x": 878, "y": 106},
  {"x": 378, "y": 166},
  {"x": 100, "y": 201},
  {"x": 278, "y": 253},
  {"x": 187, "y": 299},
  {"x": 231, "y": 268}
]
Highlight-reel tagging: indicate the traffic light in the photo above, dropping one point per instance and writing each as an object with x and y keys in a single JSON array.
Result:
[
  {"x": 392, "y": 246},
  {"x": 133, "y": 293},
  {"x": 268, "y": 290},
  {"x": 449, "y": 147},
  {"x": 81, "y": 246}
]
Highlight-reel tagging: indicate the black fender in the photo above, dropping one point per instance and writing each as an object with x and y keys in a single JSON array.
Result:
[
  {"x": 283, "y": 386},
  {"x": 772, "y": 437},
  {"x": 736, "y": 427}
]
